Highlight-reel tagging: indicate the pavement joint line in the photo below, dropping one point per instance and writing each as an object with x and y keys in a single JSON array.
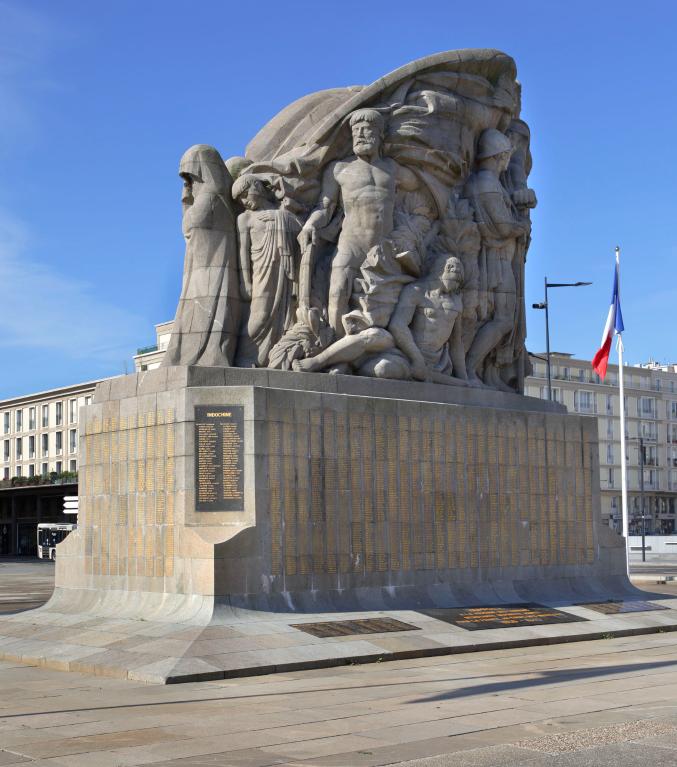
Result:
[
  {"x": 311, "y": 691},
  {"x": 377, "y": 657}
]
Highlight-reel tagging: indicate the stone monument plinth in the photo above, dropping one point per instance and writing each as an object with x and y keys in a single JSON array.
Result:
[
  {"x": 210, "y": 488},
  {"x": 337, "y": 442}
]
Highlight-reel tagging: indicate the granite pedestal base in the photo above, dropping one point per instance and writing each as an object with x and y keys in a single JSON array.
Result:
[{"x": 335, "y": 494}]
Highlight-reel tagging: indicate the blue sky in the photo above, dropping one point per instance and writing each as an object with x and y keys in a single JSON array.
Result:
[{"x": 99, "y": 101}]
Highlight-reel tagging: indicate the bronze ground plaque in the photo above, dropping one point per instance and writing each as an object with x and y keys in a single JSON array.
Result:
[
  {"x": 618, "y": 606},
  {"x": 500, "y": 616},
  {"x": 361, "y": 626}
]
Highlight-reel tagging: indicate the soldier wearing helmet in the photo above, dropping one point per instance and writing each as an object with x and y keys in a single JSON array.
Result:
[{"x": 500, "y": 228}]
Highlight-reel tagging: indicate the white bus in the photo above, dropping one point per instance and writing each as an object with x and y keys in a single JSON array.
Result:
[{"x": 49, "y": 534}]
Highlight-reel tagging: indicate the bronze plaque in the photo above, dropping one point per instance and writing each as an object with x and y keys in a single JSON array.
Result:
[
  {"x": 360, "y": 626},
  {"x": 618, "y": 606},
  {"x": 219, "y": 457},
  {"x": 500, "y": 616}
]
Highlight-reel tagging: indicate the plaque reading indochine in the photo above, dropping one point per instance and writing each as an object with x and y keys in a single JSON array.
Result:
[{"x": 219, "y": 458}]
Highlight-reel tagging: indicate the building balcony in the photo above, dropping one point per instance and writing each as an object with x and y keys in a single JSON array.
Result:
[{"x": 54, "y": 478}]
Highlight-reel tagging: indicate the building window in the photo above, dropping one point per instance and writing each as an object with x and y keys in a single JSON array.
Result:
[
  {"x": 5, "y": 450},
  {"x": 45, "y": 445},
  {"x": 5, "y": 472},
  {"x": 31, "y": 470},
  {"x": 31, "y": 419},
  {"x": 31, "y": 446},
  {"x": 556, "y": 394},
  {"x": 72, "y": 411},
  {"x": 59, "y": 467},
  {"x": 609, "y": 405},
  {"x": 45, "y": 469},
  {"x": 648, "y": 430},
  {"x": 672, "y": 410},
  {"x": 18, "y": 473},
  {"x": 651, "y": 479},
  {"x": 609, "y": 428},
  {"x": 672, "y": 485},
  {"x": 609, "y": 453},
  {"x": 72, "y": 440},
  {"x": 672, "y": 456},
  {"x": 45, "y": 416},
  {"x": 672, "y": 433},
  {"x": 646, "y": 407},
  {"x": 88, "y": 400},
  {"x": 73, "y": 466},
  {"x": 584, "y": 401},
  {"x": 59, "y": 442},
  {"x": 59, "y": 413},
  {"x": 19, "y": 419},
  {"x": 5, "y": 423},
  {"x": 650, "y": 455},
  {"x": 610, "y": 478},
  {"x": 19, "y": 449}
]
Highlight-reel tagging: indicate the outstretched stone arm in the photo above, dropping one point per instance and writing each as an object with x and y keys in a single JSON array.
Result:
[
  {"x": 409, "y": 300},
  {"x": 330, "y": 195},
  {"x": 406, "y": 179},
  {"x": 321, "y": 216}
]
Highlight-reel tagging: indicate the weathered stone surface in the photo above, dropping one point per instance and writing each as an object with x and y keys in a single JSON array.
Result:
[
  {"x": 354, "y": 204},
  {"x": 207, "y": 319},
  {"x": 345, "y": 500}
]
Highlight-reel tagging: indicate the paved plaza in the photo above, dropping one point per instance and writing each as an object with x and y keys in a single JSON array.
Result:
[{"x": 606, "y": 702}]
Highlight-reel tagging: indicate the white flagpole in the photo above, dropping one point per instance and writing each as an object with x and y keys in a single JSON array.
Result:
[{"x": 621, "y": 391}]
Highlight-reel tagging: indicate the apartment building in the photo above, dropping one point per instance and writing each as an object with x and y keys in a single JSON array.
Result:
[
  {"x": 150, "y": 357},
  {"x": 38, "y": 461},
  {"x": 651, "y": 413}
]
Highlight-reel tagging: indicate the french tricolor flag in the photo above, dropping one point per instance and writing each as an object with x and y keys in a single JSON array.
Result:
[{"x": 614, "y": 324}]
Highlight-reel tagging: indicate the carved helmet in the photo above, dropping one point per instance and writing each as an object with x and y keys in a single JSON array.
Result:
[{"x": 491, "y": 143}]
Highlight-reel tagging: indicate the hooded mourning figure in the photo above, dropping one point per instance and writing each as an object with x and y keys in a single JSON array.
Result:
[{"x": 207, "y": 318}]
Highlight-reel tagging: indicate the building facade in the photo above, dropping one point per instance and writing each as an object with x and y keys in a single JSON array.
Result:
[
  {"x": 150, "y": 357},
  {"x": 651, "y": 413},
  {"x": 38, "y": 462}
]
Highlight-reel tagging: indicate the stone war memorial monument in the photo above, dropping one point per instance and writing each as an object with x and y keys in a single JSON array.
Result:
[{"x": 337, "y": 444}]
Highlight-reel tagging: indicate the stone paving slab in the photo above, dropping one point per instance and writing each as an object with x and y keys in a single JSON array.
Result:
[
  {"x": 252, "y": 643},
  {"x": 544, "y": 705}
]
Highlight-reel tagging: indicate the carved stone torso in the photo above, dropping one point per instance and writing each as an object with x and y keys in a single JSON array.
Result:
[
  {"x": 368, "y": 196},
  {"x": 434, "y": 320}
]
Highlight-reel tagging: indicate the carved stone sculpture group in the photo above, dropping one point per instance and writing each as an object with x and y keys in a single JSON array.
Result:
[{"x": 379, "y": 231}]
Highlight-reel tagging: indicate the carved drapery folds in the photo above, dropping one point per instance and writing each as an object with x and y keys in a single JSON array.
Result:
[{"x": 383, "y": 230}]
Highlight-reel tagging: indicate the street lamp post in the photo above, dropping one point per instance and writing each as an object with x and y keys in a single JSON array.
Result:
[
  {"x": 641, "y": 496},
  {"x": 544, "y": 305},
  {"x": 642, "y": 505}
]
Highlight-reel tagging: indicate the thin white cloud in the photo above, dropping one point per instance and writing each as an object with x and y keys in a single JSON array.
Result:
[{"x": 41, "y": 308}]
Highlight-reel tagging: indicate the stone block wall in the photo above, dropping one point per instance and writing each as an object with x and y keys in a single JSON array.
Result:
[{"x": 344, "y": 494}]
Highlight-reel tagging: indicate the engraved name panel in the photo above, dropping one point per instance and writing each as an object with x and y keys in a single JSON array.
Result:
[{"x": 219, "y": 457}]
